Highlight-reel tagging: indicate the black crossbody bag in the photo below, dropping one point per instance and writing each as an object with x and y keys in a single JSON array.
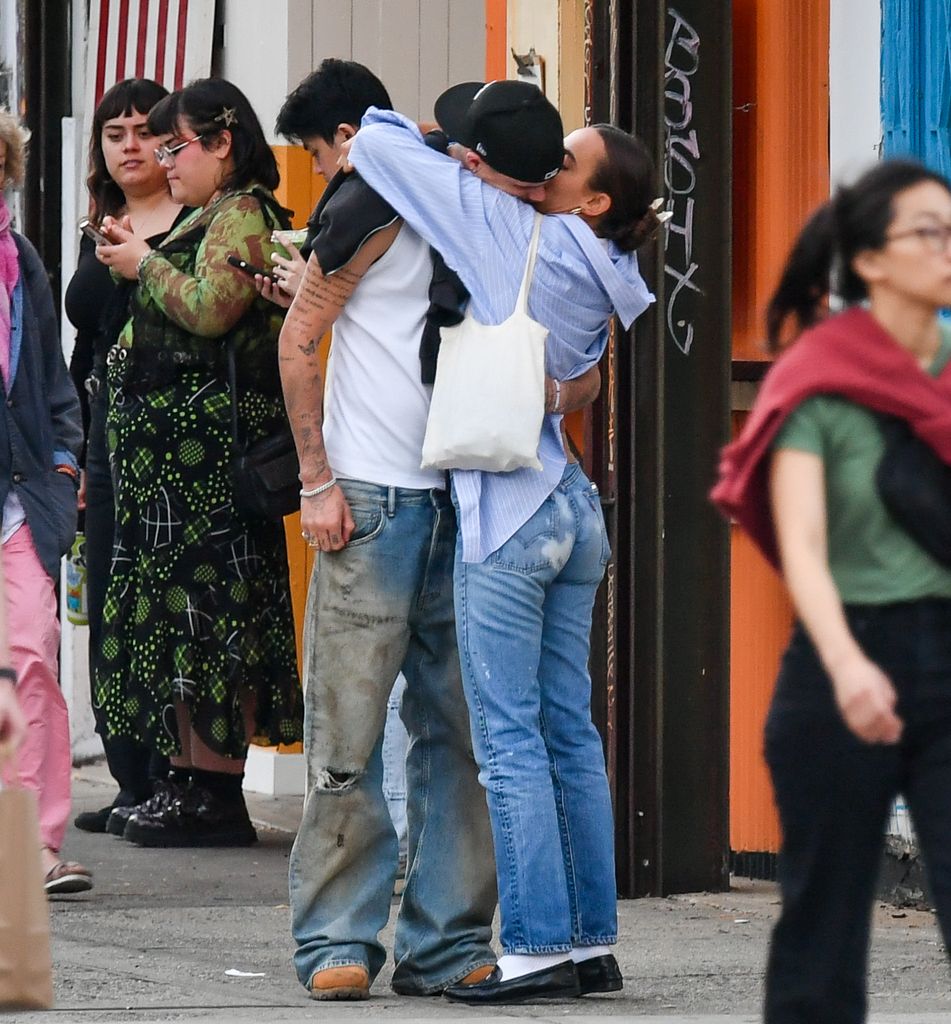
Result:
[
  {"x": 265, "y": 473},
  {"x": 915, "y": 486}
]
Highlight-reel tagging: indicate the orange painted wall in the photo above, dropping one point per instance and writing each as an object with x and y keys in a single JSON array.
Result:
[
  {"x": 760, "y": 620},
  {"x": 300, "y": 188},
  {"x": 781, "y": 172},
  {"x": 780, "y": 145},
  {"x": 496, "y": 39}
]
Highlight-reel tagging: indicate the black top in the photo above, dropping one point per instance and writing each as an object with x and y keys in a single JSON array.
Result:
[
  {"x": 88, "y": 293},
  {"x": 98, "y": 308}
]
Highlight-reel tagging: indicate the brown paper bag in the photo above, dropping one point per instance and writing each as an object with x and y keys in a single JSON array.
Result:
[{"x": 26, "y": 977}]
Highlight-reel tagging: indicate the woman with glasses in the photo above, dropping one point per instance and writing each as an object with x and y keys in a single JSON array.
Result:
[
  {"x": 198, "y": 648},
  {"x": 862, "y": 707},
  {"x": 124, "y": 181}
]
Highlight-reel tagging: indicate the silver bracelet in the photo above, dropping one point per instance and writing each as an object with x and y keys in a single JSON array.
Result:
[
  {"x": 319, "y": 490},
  {"x": 557, "y": 406}
]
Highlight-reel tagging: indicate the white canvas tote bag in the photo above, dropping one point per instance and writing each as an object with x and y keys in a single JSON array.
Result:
[{"x": 489, "y": 392}]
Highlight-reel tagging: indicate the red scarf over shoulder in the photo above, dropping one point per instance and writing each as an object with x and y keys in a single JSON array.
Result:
[{"x": 849, "y": 355}]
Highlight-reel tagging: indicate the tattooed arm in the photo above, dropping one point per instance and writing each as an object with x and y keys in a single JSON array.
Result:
[{"x": 325, "y": 518}]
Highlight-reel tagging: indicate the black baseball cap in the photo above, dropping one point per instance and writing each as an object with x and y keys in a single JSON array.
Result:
[{"x": 509, "y": 124}]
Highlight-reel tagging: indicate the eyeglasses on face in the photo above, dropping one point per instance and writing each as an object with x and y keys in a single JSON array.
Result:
[
  {"x": 166, "y": 154},
  {"x": 936, "y": 237}
]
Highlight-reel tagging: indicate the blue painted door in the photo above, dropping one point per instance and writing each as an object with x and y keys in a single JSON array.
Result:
[{"x": 916, "y": 80}]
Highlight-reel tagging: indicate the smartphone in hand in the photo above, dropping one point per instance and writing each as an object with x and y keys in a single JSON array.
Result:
[
  {"x": 247, "y": 268},
  {"x": 89, "y": 229}
]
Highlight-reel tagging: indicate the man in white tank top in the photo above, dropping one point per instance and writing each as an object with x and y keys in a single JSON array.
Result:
[{"x": 380, "y": 602}]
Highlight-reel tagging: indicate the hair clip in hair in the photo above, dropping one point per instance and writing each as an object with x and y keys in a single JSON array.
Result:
[{"x": 228, "y": 115}]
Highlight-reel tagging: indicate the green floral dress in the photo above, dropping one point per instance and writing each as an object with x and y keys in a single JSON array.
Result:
[{"x": 198, "y": 605}]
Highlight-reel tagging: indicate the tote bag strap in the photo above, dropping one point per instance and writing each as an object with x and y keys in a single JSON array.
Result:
[{"x": 521, "y": 303}]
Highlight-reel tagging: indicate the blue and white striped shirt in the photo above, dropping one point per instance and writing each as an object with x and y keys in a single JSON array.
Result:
[{"x": 483, "y": 234}]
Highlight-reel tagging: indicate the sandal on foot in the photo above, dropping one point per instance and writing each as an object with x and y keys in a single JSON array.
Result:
[{"x": 67, "y": 876}]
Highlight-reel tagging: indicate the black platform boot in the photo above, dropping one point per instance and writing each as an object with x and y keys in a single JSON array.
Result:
[
  {"x": 167, "y": 790},
  {"x": 212, "y": 812}
]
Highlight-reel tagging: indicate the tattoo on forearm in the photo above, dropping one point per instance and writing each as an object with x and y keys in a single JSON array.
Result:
[
  {"x": 316, "y": 306},
  {"x": 320, "y": 299}
]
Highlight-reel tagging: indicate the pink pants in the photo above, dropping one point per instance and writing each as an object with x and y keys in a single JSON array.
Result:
[{"x": 44, "y": 762}]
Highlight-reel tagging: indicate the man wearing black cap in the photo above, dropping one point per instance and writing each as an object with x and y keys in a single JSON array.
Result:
[
  {"x": 532, "y": 546},
  {"x": 511, "y": 133}
]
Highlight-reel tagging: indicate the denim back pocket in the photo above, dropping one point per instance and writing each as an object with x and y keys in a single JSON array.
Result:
[{"x": 529, "y": 549}]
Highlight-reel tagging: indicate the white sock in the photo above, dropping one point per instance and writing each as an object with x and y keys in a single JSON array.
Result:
[
  {"x": 581, "y": 953},
  {"x": 516, "y": 965}
]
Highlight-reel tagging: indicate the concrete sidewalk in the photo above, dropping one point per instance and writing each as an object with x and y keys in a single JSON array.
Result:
[
  {"x": 374, "y": 1011},
  {"x": 154, "y": 940}
]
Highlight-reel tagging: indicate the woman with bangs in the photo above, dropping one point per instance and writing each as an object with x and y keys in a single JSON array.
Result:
[
  {"x": 125, "y": 181},
  {"x": 198, "y": 650}
]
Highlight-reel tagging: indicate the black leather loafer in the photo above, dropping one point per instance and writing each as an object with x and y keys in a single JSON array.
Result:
[
  {"x": 599, "y": 974},
  {"x": 558, "y": 982}
]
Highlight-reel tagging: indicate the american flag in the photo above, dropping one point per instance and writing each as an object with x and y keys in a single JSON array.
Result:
[{"x": 167, "y": 40}]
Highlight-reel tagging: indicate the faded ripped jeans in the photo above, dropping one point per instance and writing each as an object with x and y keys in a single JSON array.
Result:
[
  {"x": 380, "y": 606},
  {"x": 524, "y": 623}
]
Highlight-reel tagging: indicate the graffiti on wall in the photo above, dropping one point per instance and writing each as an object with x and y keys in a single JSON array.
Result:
[{"x": 681, "y": 61}]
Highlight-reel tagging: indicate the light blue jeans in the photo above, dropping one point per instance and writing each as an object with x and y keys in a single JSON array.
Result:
[
  {"x": 524, "y": 622},
  {"x": 380, "y": 606}
]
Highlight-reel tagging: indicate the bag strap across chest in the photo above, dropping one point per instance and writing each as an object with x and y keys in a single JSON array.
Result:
[{"x": 521, "y": 303}]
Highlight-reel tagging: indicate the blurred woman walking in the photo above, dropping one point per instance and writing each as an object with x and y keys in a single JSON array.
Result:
[{"x": 862, "y": 707}]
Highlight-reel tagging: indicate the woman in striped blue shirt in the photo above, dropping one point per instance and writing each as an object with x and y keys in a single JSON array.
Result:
[{"x": 532, "y": 546}]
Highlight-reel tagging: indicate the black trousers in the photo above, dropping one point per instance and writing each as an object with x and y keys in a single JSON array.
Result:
[
  {"x": 834, "y": 793},
  {"x": 131, "y": 764}
]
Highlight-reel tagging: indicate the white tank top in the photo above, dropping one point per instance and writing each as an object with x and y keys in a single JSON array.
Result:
[{"x": 375, "y": 405}]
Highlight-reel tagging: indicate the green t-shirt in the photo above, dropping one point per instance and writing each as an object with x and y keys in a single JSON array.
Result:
[{"x": 872, "y": 559}]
